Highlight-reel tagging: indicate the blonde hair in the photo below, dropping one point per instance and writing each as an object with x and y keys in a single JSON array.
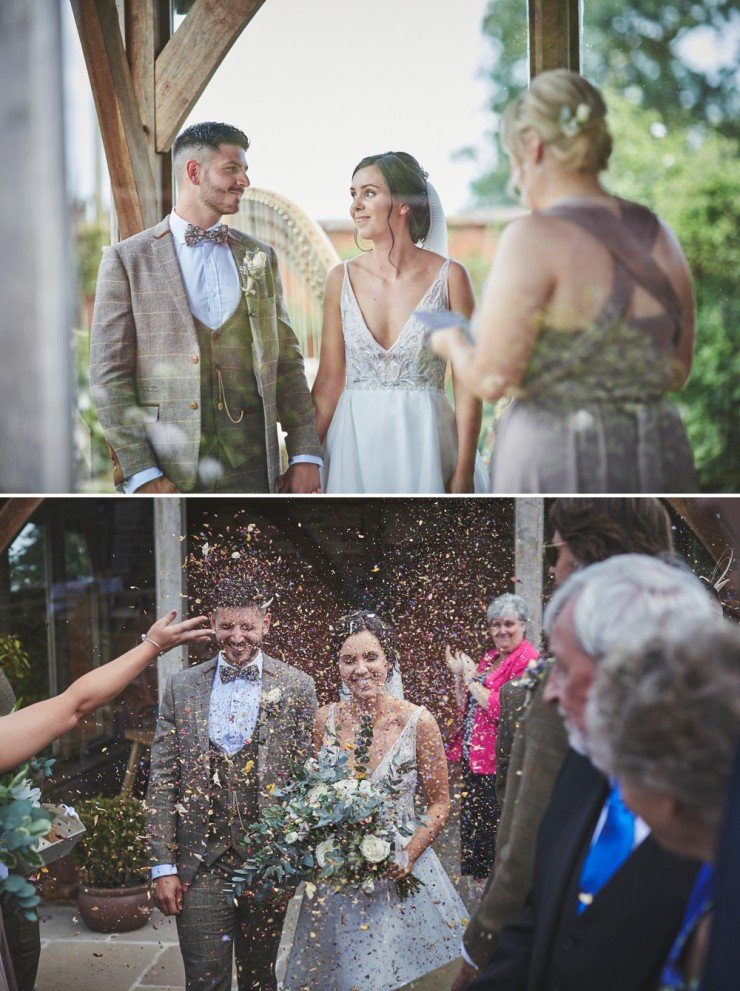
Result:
[{"x": 568, "y": 113}]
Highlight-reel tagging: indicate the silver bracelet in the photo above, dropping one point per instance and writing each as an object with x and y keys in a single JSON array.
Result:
[{"x": 145, "y": 637}]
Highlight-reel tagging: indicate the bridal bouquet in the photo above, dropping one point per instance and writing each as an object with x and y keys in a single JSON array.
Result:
[{"x": 331, "y": 826}]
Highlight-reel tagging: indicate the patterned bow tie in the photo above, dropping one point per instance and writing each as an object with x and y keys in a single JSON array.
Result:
[
  {"x": 195, "y": 235},
  {"x": 229, "y": 674}
]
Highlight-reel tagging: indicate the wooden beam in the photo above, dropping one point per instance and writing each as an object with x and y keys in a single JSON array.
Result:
[
  {"x": 147, "y": 31},
  {"x": 529, "y": 528},
  {"x": 702, "y": 516},
  {"x": 120, "y": 123},
  {"x": 14, "y": 515},
  {"x": 554, "y": 35},
  {"x": 191, "y": 56}
]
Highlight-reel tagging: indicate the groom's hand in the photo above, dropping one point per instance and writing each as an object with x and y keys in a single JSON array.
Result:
[
  {"x": 158, "y": 486},
  {"x": 302, "y": 477},
  {"x": 168, "y": 893}
]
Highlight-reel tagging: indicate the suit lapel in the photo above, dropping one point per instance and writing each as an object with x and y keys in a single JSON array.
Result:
[
  {"x": 202, "y": 702},
  {"x": 266, "y": 716},
  {"x": 238, "y": 247},
  {"x": 163, "y": 248},
  {"x": 579, "y": 795}
]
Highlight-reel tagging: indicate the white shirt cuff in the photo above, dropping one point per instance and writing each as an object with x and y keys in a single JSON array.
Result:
[
  {"x": 141, "y": 478},
  {"x": 466, "y": 956},
  {"x": 310, "y": 459},
  {"x": 163, "y": 870}
]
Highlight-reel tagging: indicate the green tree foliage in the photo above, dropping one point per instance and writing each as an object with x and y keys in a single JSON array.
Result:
[
  {"x": 688, "y": 176},
  {"x": 648, "y": 50}
]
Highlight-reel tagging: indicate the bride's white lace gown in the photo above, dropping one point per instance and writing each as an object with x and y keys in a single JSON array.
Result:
[
  {"x": 393, "y": 429},
  {"x": 349, "y": 941}
]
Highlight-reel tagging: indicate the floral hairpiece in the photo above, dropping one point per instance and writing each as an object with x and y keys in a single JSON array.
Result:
[{"x": 572, "y": 123}]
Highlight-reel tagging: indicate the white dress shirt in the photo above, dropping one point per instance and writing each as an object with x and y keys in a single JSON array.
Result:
[
  {"x": 214, "y": 290},
  {"x": 232, "y": 718}
]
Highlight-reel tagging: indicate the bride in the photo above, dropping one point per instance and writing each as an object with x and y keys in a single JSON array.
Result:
[
  {"x": 381, "y": 410},
  {"x": 348, "y": 939}
]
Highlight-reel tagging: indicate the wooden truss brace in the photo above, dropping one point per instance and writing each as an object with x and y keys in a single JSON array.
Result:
[{"x": 145, "y": 89}]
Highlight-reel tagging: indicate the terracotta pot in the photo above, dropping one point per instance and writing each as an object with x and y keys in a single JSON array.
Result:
[{"x": 115, "y": 910}]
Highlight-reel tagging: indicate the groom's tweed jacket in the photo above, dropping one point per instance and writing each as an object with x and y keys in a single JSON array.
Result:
[
  {"x": 180, "y": 777},
  {"x": 145, "y": 360}
]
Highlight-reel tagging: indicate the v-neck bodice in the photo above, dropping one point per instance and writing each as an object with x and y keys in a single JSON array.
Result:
[
  {"x": 408, "y": 363},
  {"x": 401, "y": 752}
]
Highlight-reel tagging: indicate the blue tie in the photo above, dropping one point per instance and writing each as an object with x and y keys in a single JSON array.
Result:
[{"x": 612, "y": 847}]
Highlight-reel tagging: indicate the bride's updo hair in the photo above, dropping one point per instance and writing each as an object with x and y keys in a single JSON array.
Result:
[
  {"x": 568, "y": 113},
  {"x": 407, "y": 183},
  {"x": 356, "y": 622}
]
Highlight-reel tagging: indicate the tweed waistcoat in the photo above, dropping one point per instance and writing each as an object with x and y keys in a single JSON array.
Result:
[
  {"x": 233, "y": 800},
  {"x": 232, "y": 414}
]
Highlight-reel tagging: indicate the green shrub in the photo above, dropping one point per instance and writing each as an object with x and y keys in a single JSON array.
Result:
[{"x": 113, "y": 851}]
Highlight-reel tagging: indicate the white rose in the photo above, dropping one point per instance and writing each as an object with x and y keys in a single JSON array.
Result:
[
  {"x": 347, "y": 786},
  {"x": 259, "y": 263},
  {"x": 374, "y": 849},
  {"x": 273, "y": 696},
  {"x": 322, "y": 849},
  {"x": 317, "y": 793},
  {"x": 291, "y": 838}
]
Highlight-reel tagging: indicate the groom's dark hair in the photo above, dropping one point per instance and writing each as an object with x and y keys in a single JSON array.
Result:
[{"x": 209, "y": 134}]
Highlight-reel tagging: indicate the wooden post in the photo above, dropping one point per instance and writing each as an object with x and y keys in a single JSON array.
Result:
[
  {"x": 147, "y": 32},
  {"x": 169, "y": 559},
  {"x": 554, "y": 35},
  {"x": 132, "y": 178},
  {"x": 36, "y": 449},
  {"x": 529, "y": 529}
]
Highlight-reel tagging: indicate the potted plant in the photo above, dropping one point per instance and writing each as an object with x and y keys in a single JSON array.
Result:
[{"x": 113, "y": 858}]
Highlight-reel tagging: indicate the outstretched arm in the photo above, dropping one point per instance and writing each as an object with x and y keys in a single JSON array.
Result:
[
  {"x": 468, "y": 408},
  {"x": 25, "y": 732},
  {"x": 329, "y": 382},
  {"x": 432, "y": 764},
  {"x": 506, "y": 324}
]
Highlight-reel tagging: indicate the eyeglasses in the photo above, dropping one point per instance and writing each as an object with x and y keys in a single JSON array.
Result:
[{"x": 552, "y": 552}]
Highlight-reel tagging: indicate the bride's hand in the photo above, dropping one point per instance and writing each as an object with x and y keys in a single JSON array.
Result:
[
  {"x": 453, "y": 661},
  {"x": 460, "y": 483}
]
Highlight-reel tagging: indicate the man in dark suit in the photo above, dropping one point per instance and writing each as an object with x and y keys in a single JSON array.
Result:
[{"x": 606, "y": 900}]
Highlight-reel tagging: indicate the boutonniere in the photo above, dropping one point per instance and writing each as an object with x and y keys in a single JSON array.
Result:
[
  {"x": 271, "y": 700},
  {"x": 252, "y": 269}
]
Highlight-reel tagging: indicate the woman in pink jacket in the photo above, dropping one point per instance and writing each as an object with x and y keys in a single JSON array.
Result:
[{"x": 477, "y": 689}]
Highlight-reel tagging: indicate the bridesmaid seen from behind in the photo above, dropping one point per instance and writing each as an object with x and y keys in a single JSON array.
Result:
[{"x": 587, "y": 318}]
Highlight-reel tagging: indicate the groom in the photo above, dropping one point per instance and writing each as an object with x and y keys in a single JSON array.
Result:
[
  {"x": 228, "y": 730},
  {"x": 192, "y": 358}
]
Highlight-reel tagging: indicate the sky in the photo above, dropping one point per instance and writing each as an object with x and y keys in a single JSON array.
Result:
[{"x": 317, "y": 86}]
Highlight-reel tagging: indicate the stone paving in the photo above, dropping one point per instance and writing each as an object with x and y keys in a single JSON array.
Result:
[{"x": 75, "y": 959}]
